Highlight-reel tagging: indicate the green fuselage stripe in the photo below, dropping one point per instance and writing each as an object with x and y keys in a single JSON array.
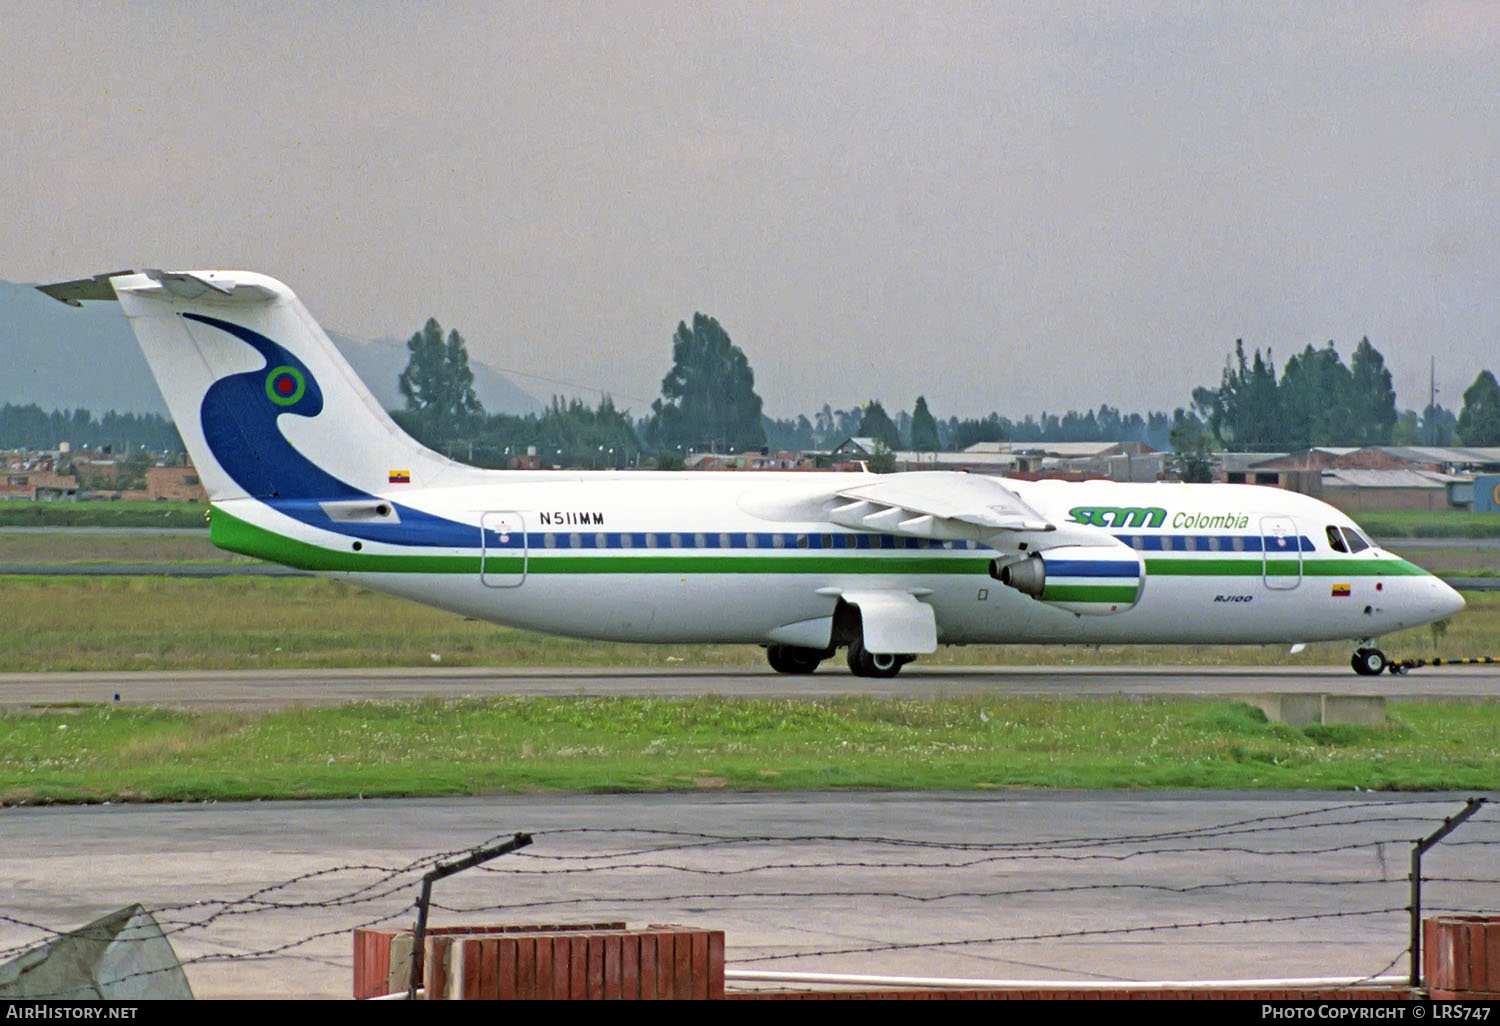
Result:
[
  {"x": 1255, "y": 567},
  {"x": 1117, "y": 594},
  {"x": 230, "y": 532}
]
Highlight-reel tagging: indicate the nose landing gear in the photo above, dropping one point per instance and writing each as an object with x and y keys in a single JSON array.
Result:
[{"x": 1368, "y": 662}]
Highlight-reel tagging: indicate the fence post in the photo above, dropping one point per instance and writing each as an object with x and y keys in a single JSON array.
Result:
[
  {"x": 1418, "y": 849},
  {"x": 438, "y": 872}
]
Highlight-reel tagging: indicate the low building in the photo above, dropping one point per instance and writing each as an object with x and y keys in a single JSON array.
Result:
[
  {"x": 1379, "y": 477},
  {"x": 1358, "y": 491},
  {"x": 174, "y": 484},
  {"x": 754, "y": 460},
  {"x": 39, "y": 486},
  {"x": 1074, "y": 461},
  {"x": 1243, "y": 468}
]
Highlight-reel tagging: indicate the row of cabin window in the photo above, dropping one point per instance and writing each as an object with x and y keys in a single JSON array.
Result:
[
  {"x": 1343, "y": 539},
  {"x": 726, "y": 540},
  {"x": 1214, "y": 543}
]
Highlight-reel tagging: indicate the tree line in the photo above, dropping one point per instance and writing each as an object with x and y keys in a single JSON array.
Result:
[
  {"x": 708, "y": 402},
  {"x": 31, "y": 427}
]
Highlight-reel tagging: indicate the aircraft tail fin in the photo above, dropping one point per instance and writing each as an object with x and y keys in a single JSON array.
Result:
[{"x": 265, "y": 403}]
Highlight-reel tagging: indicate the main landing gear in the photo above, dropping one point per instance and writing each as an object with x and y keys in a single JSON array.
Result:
[
  {"x": 802, "y": 661},
  {"x": 873, "y": 664},
  {"x": 791, "y": 659},
  {"x": 1368, "y": 661}
]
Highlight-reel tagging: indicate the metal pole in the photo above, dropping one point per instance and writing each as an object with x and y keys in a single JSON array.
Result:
[
  {"x": 438, "y": 872},
  {"x": 1418, "y": 849}
]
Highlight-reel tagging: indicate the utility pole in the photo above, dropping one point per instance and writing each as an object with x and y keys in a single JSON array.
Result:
[{"x": 1432, "y": 402}]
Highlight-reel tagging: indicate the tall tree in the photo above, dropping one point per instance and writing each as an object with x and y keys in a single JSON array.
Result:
[
  {"x": 1316, "y": 400},
  {"x": 1479, "y": 420},
  {"x": 1243, "y": 411},
  {"x": 924, "y": 429},
  {"x": 1192, "y": 448},
  {"x": 1408, "y": 429},
  {"x": 1372, "y": 397},
  {"x": 708, "y": 397},
  {"x": 1438, "y": 426},
  {"x": 877, "y": 424},
  {"x": 438, "y": 386}
]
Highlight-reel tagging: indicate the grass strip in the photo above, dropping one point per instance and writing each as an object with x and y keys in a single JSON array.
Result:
[
  {"x": 1429, "y": 524},
  {"x": 99, "y": 753},
  {"x": 103, "y": 514}
]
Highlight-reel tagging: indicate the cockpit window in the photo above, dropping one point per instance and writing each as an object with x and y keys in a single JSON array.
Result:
[
  {"x": 1336, "y": 540},
  {"x": 1356, "y": 543}
]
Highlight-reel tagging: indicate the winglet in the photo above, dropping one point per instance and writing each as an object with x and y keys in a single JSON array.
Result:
[{"x": 75, "y": 292}]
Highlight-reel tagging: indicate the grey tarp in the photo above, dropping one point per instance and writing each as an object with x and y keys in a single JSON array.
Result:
[{"x": 122, "y": 957}]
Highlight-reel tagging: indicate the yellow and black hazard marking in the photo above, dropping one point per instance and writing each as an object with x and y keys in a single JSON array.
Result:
[{"x": 1402, "y": 665}]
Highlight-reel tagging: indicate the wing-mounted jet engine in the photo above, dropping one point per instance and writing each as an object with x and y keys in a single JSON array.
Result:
[{"x": 1091, "y": 580}]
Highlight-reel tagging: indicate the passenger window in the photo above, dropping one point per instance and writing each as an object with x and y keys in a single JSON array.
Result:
[
  {"x": 1335, "y": 540},
  {"x": 1356, "y": 543}
]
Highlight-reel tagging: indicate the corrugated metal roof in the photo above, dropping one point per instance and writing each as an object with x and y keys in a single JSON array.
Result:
[
  {"x": 1388, "y": 479},
  {"x": 1445, "y": 453}
]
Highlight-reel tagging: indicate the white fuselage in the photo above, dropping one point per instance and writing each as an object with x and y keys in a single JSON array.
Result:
[{"x": 747, "y": 557}]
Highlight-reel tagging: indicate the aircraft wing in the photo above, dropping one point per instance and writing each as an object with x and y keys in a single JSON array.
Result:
[{"x": 941, "y": 504}]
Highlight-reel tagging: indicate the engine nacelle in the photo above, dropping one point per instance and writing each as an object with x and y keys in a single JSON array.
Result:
[{"x": 1092, "y": 580}]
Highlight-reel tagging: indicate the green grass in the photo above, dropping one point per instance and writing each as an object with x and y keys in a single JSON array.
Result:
[
  {"x": 634, "y": 744},
  {"x": 102, "y": 514},
  {"x": 75, "y": 548},
  {"x": 1436, "y": 524},
  {"x": 154, "y": 623}
]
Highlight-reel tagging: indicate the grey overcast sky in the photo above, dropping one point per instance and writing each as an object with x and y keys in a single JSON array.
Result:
[{"x": 1005, "y": 206}]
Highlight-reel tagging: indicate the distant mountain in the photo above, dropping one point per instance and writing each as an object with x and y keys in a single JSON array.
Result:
[
  {"x": 380, "y": 363},
  {"x": 61, "y": 358}
]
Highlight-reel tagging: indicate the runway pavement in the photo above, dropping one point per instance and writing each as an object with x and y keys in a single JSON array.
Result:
[
  {"x": 1021, "y": 885},
  {"x": 272, "y": 689}
]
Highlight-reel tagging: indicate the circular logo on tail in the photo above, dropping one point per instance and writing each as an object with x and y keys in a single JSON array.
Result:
[{"x": 285, "y": 385}]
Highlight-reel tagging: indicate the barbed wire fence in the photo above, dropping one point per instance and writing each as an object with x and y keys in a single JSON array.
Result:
[{"x": 1081, "y": 907}]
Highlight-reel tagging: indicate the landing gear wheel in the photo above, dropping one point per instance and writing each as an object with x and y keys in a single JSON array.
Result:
[
  {"x": 871, "y": 664},
  {"x": 1368, "y": 662},
  {"x": 791, "y": 659}
]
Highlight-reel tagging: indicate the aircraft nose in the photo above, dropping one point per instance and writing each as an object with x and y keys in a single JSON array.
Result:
[{"x": 1445, "y": 601}]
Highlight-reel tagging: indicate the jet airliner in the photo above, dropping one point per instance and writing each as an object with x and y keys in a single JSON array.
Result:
[{"x": 304, "y": 468}]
